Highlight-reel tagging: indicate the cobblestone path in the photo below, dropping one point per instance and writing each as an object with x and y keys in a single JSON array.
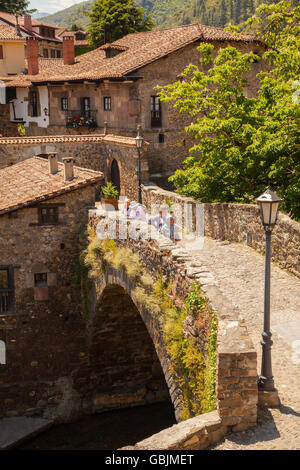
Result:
[{"x": 239, "y": 272}]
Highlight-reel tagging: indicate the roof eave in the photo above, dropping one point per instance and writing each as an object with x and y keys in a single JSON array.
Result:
[{"x": 60, "y": 192}]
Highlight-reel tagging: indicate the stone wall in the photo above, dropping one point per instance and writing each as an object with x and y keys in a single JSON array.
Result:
[
  {"x": 236, "y": 385},
  {"x": 90, "y": 151},
  {"x": 45, "y": 334},
  {"x": 7, "y": 128},
  {"x": 239, "y": 223}
]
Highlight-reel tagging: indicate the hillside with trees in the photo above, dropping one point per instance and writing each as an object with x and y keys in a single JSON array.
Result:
[{"x": 167, "y": 13}]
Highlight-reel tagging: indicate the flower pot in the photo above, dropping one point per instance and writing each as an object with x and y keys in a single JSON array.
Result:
[{"x": 112, "y": 202}]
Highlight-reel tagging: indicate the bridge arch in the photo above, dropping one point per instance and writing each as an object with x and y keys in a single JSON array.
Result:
[{"x": 126, "y": 346}]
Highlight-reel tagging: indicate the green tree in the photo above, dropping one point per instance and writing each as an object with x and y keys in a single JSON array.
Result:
[
  {"x": 242, "y": 144},
  {"x": 76, "y": 27},
  {"x": 113, "y": 19},
  {"x": 15, "y": 6}
]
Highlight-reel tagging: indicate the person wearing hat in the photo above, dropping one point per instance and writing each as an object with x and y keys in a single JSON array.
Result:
[{"x": 136, "y": 211}]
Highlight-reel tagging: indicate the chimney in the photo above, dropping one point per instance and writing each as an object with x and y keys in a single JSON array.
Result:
[
  {"x": 27, "y": 22},
  {"x": 68, "y": 168},
  {"x": 68, "y": 50},
  {"x": 32, "y": 52},
  {"x": 53, "y": 163}
]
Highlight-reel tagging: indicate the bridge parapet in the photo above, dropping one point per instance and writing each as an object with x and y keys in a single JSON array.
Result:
[
  {"x": 238, "y": 223},
  {"x": 236, "y": 363}
]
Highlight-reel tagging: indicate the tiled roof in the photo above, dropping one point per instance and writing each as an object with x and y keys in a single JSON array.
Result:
[
  {"x": 11, "y": 19},
  {"x": 29, "y": 182},
  {"x": 114, "y": 139},
  {"x": 81, "y": 42},
  {"x": 141, "y": 49},
  {"x": 114, "y": 46},
  {"x": 9, "y": 33},
  {"x": 20, "y": 81}
]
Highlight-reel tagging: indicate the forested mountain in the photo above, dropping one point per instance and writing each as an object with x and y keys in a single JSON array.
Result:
[
  {"x": 72, "y": 15},
  {"x": 214, "y": 12},
  {"x": 168, "y": 13}
]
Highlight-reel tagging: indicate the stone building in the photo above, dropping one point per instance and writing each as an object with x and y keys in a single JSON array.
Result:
[
  {"x": 49, "y": 44},
  {"x": 43, "y": 209},
  {"x": 116, "y": 84},
  {"x": 81, "y": 39},
  {"x": 115, "y": 156}
]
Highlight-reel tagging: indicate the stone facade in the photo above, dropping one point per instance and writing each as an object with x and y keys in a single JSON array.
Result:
[
  {"x": 131, "y": 105},
  {"x": 239, "y": 223},
  {"x": 94, "y": 152},
  {"x": 7, "y": 128},
  {"x": 45, "y": 334}
]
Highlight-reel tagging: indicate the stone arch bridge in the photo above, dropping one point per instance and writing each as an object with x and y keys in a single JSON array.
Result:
[
  {"x": 117, "y": 356},
  {"x": 136, "y": 336}
]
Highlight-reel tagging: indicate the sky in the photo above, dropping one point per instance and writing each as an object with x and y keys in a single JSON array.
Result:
[{"x": 51, "y": 6}]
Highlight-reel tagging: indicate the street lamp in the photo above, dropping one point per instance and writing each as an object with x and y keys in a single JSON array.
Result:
[
  {"x": 269, "y": 205},
  {"x": 139, "y": 140}
]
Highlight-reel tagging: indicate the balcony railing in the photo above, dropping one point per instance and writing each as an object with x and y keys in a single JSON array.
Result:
[{"x": 81, "y": 118}]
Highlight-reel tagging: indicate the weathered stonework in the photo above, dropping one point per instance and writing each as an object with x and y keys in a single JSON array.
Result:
[
  {"x": 94, "y": 152},
  {"x": 130, "y": 104},
  {"x": 7, "y": 128},
  {"x": 236, "y": 387},
  {"x": 45, "y": 339}
]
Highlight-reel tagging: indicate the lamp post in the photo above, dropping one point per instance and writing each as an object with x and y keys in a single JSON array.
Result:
[
  {"x": 268, "y": 204},
  {"x": 139, "y": 144}
]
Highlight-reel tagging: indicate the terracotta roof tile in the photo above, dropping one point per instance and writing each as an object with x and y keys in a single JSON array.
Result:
[
  {"x": 114, "y": 139},
  {"x": 11, "y": 19},
  {"x": 9, "y": 33},
  {"x": 141, "y": 49},
  {"x": 28, "y": 182}
]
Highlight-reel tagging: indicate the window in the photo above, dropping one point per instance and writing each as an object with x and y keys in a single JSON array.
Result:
[
  {"x": 1, "y": 52},
  {"x": 107, "y": 103},
  {"x": 156, "y": 120},
  {"x": 48, "y": 215},
  {"x": 85, "y": 107},
  {"x": 6, "y": 289},
  {"x": 45, "y": 53},
  {"x": 52, "y": 53},
  {"x": 64, "y": 104},
  {"x": 33, "y": 103},
  {"x": 40, "y": 280},
  {"x": 161, "y": 138},
  {"x": 58, "y": 54}
]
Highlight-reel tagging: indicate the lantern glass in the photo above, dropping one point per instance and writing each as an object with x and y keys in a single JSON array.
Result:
[
  {"x": 269, "y": 205},
  {"x": 274, "y": 211},
  {"x": 266, "y": 210},
  {"x": 139, "y": 141}
]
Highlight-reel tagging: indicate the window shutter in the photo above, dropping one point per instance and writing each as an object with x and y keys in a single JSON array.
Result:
[
  {"x": 30, "y": 112},
  {"x": 38, "y": 103}
]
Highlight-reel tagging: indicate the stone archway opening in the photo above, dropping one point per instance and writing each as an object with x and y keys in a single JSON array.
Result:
[
  {"x": 115, "y": 175},
  {"x": 126, "y": 368}
]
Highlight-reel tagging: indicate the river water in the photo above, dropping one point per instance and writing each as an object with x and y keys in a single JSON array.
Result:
[{"x": 106, "y": 431}]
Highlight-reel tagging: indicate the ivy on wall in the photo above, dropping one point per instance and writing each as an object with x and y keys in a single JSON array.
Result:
[{"x": 194, "y": 369}]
